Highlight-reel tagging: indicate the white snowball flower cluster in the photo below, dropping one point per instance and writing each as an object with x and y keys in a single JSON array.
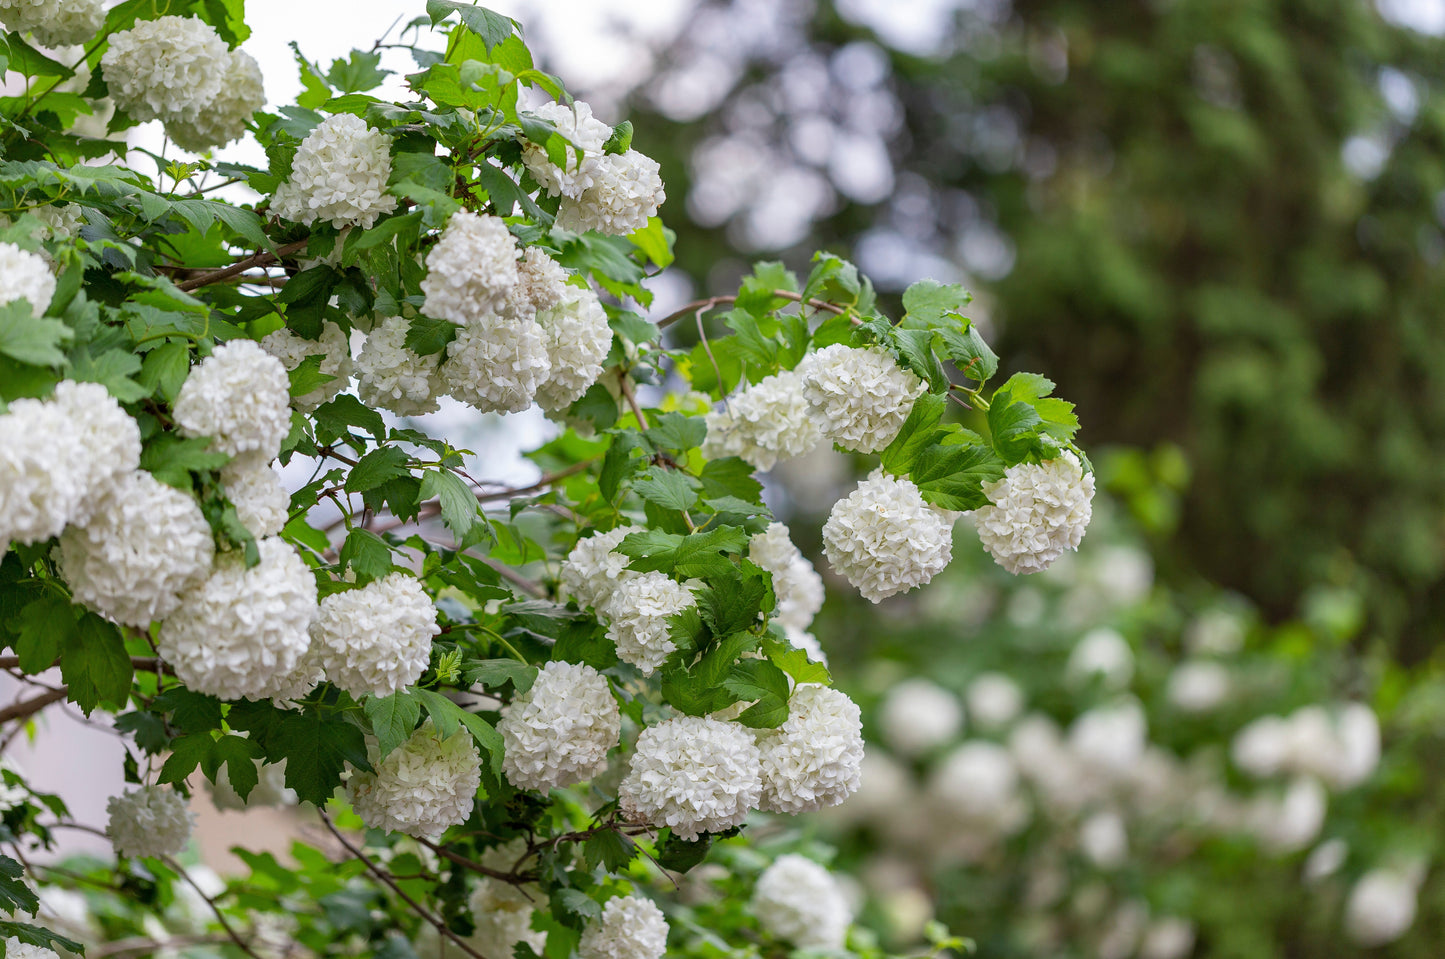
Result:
[
  {"x": 338, "y": 176},
  {"x": 145, "y": 546},
  {"x": 796, "y": 583},
  {"x": 858, "y": 398},
  {"x": 814, "y": 758},
  {"x": 559, "y": 732},
  {"x": 1104, "y": 839},
  {"x": 885, "y": 538},
  {"x": 797, "y": 900},
  {"x": 626, "y": 191},
  {"x": 577, "y": 124},
  {"x": 15, "y": 949},
  {"x": 60, "y": 222},
  {"x": 54, "y": 23},
  {"x": 243, "y": 630},
  {"x": 503, "y": 918},
  {"x": 1109, "y": 739},
  {"x": 392, "y": 377},
  {"x": 471, "y": 269},
  {"x": 977, "y": 785},
  {"x": 149, "y": 821},
  {"x": 577, "y": 339},
  {"x": 1382, "y": 906},
  {"x": 994, "y": 700},
  {"x": 376, "y": 639},
  {"x": 58, "y": 458},
  {"x": 541, "y": 284},
  {"x": 593, "y": 569},
  {"x": 170, "y": 68},
  {"x": 25, "y": 276},
  {"x": 694, "y": 775},
  {"x": 335, "y": 353},
  {"x": 255, "y": 489},
  {"x": 1289, "y": 820},
  {"x": 1198, "y": 685},
  {"x": 638, "y": 610},
  {"x": 224, "y": 119},
  {"x": 1101, "y": 654},
  {"x": 1037, "y": 512},
  {"x": 766, "y": 422},
  {"x": 918, "y": 715},
  {"x": 496, "y": 364},
  {"x": 630, "y": 928},
  {"x": 1340, "y": 747},
  {"x": 423, "y": 787},
  {"x": 240, "y": 397}
]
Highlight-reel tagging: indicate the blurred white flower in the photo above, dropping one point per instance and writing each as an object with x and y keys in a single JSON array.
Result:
[
  {"x": 994, "y": 700},
  {"x": 1102, "y": 653},
  {"x": 1104, "y": 839},
  {"x": 1381, "y": 907},
  {"x": 1198, "y": 686},
  {"x": 917, "y": 715}
]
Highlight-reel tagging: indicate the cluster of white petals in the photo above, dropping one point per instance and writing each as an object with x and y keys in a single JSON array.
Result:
[
  {"x": 25, "y": 276},
  {"x": 1101, "y": 655},
  {"x": 59, "y": 457},
  {"x": 626, "y": 191},
  {"x": 577, "y": 338},
  {"x": 976, "y": 787},
  {"x": 255, "y": 489},
  {"x": 170, "y": 68},
  {"x": 560, "y": 730},
  {"x": 60, "y": 222},
  {"x": 918, "y": 715},
  {"x": 391, "y": 377},
  {"x": 54, "y": 23},
  {"x": 149, "y": 821},
  {"x": 1382, "y": 906},
  {"x": 1198, "y": 685},
  {"x": 885, "y": 538},
  {"x": 858, "y": 398},
  {"x": 338, "y": 176},
  {"x": 1339, "y": 746},
  {"x": 240, "y": 397},
  {"x": 423, "y": 787},
  {"x": 496, "y": 364},
  {"x": 471, "y": 269},
  {"x": 638, "y": 610},
  {"x": 814, "y": 758},
  {"x": 630, "y": 928},
  {"x": 503, "y": 918},
  {"x": 15, "y": 949},
  {"x": 224, "y": 119},
  {"x": 334, "y": 350},
  {"x": 767, "y": 422},
  {"x": 593, "y": 569},
  {"x": 994, "y": 700},
  {"x": 145, "y": 545},
  {"x": 797, "y": 900},
  {"x": 1038, "y": 511},
  {"x": 376, "y": 639},
  {"x": 243, "y": 630},
  {"x": 796, "y": 583},
  {"x": 694, "y": 775},
  {"x": 270, "y": 788},
  {"x": 541, "y": 284},
  {"x": 584, "y": 131}
]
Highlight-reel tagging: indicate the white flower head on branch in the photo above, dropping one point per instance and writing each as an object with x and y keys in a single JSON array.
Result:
[
  {"x": 594, "y": 567},
  {"x": 576, "y": 124},
  {"x": 799, "y": 901},
  {"x": 54, "y": 23},
  {"x": 149, "y": 821},
  {"x": 471, "y": 270},
  {"x": 334, "y": 350},
  {"x": 224, "y": 119},
  {"x": 796, "y": 583},
  {"x": 169, "y": 68},
  {"x": 255, "y": 489},
  {"x": 240, "y": 397},
  {"x": 630, "y": 928},
  {"x": 559, "y": 731},
  {"x": 885, "y": 538},
  {"x": 694, "y": 775},
  {"x": 338, "y": 176},
  {"x": 376, "y": 639},
  {"x": 1038, "y": 512},
  {"x": 858, "y": 398},
  {"x": 767, "y": 422},
  {"x": 423, "y": 787},
  {"x": 25, "y": 276},
  {"x": 813, "y": 759},
  {"x": 638, "y": 611},
  {"x": 577, "y": 339},
  {"x": 391, "y": 377}
]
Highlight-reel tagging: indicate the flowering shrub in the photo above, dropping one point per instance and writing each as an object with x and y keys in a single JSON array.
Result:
[{"x": 525, "y": 740}]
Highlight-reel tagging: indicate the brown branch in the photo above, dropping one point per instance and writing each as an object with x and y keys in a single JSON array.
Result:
[
  {"x": 632, "y": 400},
  {"x": 34, "y": 705},
  {"x": 507, "y": 877},
  {"x": 702, "y": 306},
  {"x": 139, "y": 945},
  {"x": 149, "y": 664},
  {"x": 263, "y": 258},
  {"x": 210, "y": 901}
]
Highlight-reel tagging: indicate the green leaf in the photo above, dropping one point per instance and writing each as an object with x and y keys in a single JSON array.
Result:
[
  {"x": 915, "y": 351},
  {"x": 675, "y": 431},
  {"x": 366, "y": 553},
  {"x": 112, "y": 369},
  {"x": 36, "y": 936},
  {"x": 307, "y": 375},
  {"x": 190, "y": 711},
  {"x": 972, "y": 355},
  {"x": 95, "y": 665},
  {"x": 14, "y": 893},
  {"x": 795, "y": 663},
  {"x": 315, "y": 91},
  {"x": 186, "y": 754},
  {"x": 46, "y": 624},
  {"x": 446, "y": 714},
  {"x": 655, "y": 241},
  {"x": 377, "y": 467},
  {"x": 1014, "y": 425},
  {"x": 731, "y": 476},
  {"x": 928, "y": 300},
  {"x": 633, "y": 328},
  {"x": 165, "y": 369},
  {"x": 680, "y": 855},
  {"x": 918, "y": 432},
  {"x": 393, "y": 718},
  {"x": 361, "y": 72},
  {"x": 345, "y": 411},
  {"x": 239, "y": 756},
  {"x": 585, "y": 642},
  {"x": 32, "y": 339},
  {"x": 492, "y": 27},
  {"x": 668, "y": 488},
  {"x": 952, "y": 476},
  {"x": 760, "y": 680},
  {"x": 493, "y": 673},
  {"x": 457, "y": 501},
  {"x": 698, "y": 554},
  {"x": 609, "y": 849},
  {"x": 316, "y": 748},
  {"x": 734, "y": 598}
]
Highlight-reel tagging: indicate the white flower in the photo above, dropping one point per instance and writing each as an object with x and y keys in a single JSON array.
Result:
[
  {"x": 1102, "y": 653},
  {"x": 339, "y": 175},
  {"x": 1325, "y": 860},
  {"x": 1261, "y": 748},
  {"x": 577, "y": 340},
  {"x": 471, "y": 269},
  {"x": 334, "y": 350},
  {"x": 764, "y": 423},
  {"x": 392, "y": 377},
  {"x": 240, "y": 397},
  {"x": 149, "y": 821},
  {"x": 638, "y": 610},
  {"x": 255, "y": 489},
  {"x": 918, "y": 715},
  {"x": 503, "y": 918},
  {"x": 1289, "y": 821},
  {"x": 146, "y": 545},
  {"x": 692, "y": 774},
  {"x": 242, "y": 629},
  {"x": 1104, "y": 840},
  {"x": 813, "y": 759},
  {"x": 61, "y": 222},
  {"x": 559, "y": 732},
  {"x": 25, "y": 276},
  {"x": 796, "y": 583},
  {"x": 376, "y": 639},
  {"x": 169, "y": 68},
  {"x": 885, "y": 538},
  {"x": 105, "y": 440},
  {"x": 54, "y": 23},
  {"x": 626, "y": 191},
  {"x": 496, "y": 364},
  {"x": 976, "y": 785},
  {"x": 798, "y": 900},
  {"x": 1198, "y": 686},
  {"x": 1342, "y": 747},
  {"x": 592, "y": 570},
  {"x": 993, "y": 700},
  {"x": 858, "y": 398},
  {"x": 423, "y": 787},
  {"x": 1381, "y": 907},
  {"x": 270, "y": 788},
  {"x": 630, "y": 928},
  {"x": 1108, "y": 740},
  {"x": 541, "y": 285},
  {"x": 1038, "y": 511},
  {"x": 225, "y": 117},
  {"x": 1168, "y": 937},
  {"x": 15, "y": 949},
  {"x": 584, "y": 131},
  {"x": 295, "y": 683}
]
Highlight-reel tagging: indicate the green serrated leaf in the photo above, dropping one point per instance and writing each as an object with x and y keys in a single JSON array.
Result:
[
  {"x": 32, "y": 339},
  {"x": 95, "y": 665},
  {"x": 377, "y": 467},
  {"x": 668, "y": 488},
  {"x": 393, "y": 718},
  {"x": 366, "y": 553},
  {"x": 457, "y": 501},
  {"x": 45, "y": 626}
]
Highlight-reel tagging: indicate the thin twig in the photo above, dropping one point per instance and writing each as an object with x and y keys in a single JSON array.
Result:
[
  {"x": 241, "y": 266},
  {"x": 34, "y": 705},
  {"x": 149, "y": 664},
  {"x": 142, "y": 945},
  {"x": 702, "y": 306},
  {"x": 460, "y": 860},
  {"x": 210, "y": 901},
  {"x": 632, "y": 400}
]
